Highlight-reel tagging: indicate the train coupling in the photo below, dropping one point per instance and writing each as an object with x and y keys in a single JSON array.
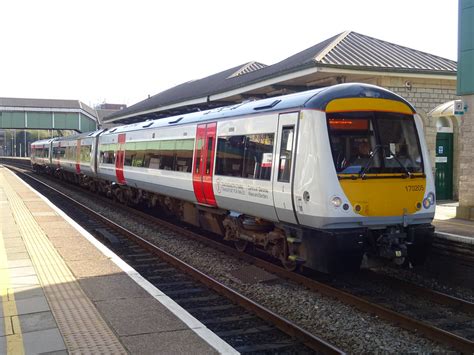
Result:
[{"x": 392, "y": 244}]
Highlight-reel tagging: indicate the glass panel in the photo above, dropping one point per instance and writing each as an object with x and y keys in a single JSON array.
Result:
[
  {"x": 245, "y": 156},
  {"x": 184, "y": 155},
  {"x": 286, "y": 154},
  {"x": 258, "y": 156},
  {"x": 199, "y": 145},
  {"x": 399, "y": 138},
  {"x": 230, "y": 155},
  {"x": 209, "y": 154},
  {"x": 129, "y": 153},
  {"x": 374, "y": 142}
]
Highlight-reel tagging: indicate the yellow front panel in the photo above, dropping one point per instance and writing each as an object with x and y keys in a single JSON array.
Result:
[
  {"x": 368, "y": 104},
  {"x": 385, "y": 196}
]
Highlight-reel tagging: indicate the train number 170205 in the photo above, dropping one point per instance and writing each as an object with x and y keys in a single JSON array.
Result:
[{"x": 413, "y": 188}]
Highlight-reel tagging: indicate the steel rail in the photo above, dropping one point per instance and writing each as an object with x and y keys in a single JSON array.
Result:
[
  {"x": 434, "y": 333},
  {"x": 408, "y": 323},
  {"x": 281, "y": 323}
]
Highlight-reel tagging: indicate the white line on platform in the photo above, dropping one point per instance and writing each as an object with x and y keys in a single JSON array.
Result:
[
  {"x": 455, "y": 237},
  {"x": 200, "y": 329}
]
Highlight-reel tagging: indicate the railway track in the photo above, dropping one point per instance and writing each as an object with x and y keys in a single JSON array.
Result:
[
  {"x": 241, "y": 322},
  {"x": 420, "y": 322}
]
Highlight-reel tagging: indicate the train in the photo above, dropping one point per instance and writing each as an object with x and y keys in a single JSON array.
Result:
[{"x": 318, "y": 179}]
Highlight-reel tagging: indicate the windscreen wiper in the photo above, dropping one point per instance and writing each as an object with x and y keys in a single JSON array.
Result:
[
  {"x": 371, "y": 159},
  {"x": 409, "y": 175}
]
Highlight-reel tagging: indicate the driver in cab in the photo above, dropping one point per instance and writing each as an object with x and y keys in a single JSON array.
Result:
[{"x": 359, "y": 159}]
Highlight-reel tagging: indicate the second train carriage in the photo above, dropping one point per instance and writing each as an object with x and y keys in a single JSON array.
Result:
[
  {"x": 40, "y": 155},
  {"x": 319, "y": 177}
]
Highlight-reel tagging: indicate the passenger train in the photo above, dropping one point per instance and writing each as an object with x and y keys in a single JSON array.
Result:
[{"x": 316, "y": 178}]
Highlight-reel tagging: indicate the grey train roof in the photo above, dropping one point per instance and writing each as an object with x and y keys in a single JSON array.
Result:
[{"x": 312, "y": 99}]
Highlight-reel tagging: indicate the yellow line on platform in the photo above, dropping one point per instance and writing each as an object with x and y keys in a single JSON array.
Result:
[{"x": 14, "y": 338}]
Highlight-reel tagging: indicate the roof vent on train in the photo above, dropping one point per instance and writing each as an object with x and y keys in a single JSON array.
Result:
[
  {"x": 266, "y": 106},
  {"x": 176, "y": 121}
]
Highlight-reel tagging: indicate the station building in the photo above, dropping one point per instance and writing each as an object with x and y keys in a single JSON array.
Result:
[{"x": 426, "y": 80}]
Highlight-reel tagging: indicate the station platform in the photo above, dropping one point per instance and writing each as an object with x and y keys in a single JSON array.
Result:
[
  {"x": 62, "y": 292},
  {"x": 447, "y": 226}
]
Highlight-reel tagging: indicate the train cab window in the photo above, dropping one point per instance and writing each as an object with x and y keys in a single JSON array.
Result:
[
  {"x": 286, "y": 153},
  {"x": 374, "y": 142}
]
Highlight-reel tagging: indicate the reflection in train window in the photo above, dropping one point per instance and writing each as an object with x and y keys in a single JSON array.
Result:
[{"x": 249, "y": 156}]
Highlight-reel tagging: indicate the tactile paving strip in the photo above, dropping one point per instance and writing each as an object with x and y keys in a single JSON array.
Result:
[{"x": 82, "y": 327}]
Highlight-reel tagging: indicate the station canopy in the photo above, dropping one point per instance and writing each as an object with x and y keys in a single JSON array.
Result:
[{"x": 348, "y": 56}]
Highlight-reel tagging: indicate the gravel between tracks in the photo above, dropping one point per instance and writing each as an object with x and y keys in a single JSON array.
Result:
[
  {"x": 429, "y": 282},
  {"x": 349, "y": 329}
]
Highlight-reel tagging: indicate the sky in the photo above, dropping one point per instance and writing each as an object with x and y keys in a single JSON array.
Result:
[{"x": 122, "y": 51}]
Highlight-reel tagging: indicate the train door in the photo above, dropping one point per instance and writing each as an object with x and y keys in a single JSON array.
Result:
[
  {"x": 285, "y": 161},
  {"x": 204, "y": 163},
  {"x": 119, "y": 159}
]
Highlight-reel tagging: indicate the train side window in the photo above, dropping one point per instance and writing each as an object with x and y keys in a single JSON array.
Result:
[
  {"x": 167, "y": 154},
  {"x": 107, "y": 153},
  {"x": 85, "y": 153},
  {"x": 184, "y": 155},
  {"x": 258, "y": 156},
  {"x": 129, "y": 152},
  {"x": 248, "y": 156},
  {"x": 139, "y": 154},
  {"x": 230, "y": 155},
  {"x": 286, "y": 152}
]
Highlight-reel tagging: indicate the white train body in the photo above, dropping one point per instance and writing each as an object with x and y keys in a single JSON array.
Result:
[{"x": 276, "y": 160}]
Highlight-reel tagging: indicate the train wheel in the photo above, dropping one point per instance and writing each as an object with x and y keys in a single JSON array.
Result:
[
  {"x": 241, "y": 245},
  {"x": 289, "y": 265}
]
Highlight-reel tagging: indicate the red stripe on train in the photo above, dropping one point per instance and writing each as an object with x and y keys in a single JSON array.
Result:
[{"x": 119, "y": 160}]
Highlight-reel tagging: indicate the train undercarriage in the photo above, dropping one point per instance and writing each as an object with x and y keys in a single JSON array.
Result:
[{"x": 328, "y": 251}]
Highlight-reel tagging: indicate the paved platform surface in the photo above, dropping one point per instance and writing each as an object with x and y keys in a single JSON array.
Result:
[
  {"x": 449, "y": 227},
  {"x": 63, "y": 292}
]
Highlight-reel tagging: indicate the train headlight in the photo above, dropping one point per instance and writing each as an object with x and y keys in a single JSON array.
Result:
[
  {"x": 336, "y": 201},
  {"x": 429, "y": 200}
]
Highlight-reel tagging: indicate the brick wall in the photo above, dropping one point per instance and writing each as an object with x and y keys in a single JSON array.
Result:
[
  {"x": 425, "y": 95},
  {"x": 466, "y": 162}
]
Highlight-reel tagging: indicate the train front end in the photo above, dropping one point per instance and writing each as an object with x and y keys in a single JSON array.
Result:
[{"x": 377, "y": 184}]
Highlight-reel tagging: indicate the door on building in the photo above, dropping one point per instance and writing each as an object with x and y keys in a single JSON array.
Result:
[
  {"x": 444, "y": 166},
  {"x": 204, "y": 163}
]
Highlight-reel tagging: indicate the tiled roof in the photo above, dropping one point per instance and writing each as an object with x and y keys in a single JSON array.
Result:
[
  {"x": 249, "y": 67},
  {"x": 348, "y": 50},
  {"x": 354, "y": 49}
]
